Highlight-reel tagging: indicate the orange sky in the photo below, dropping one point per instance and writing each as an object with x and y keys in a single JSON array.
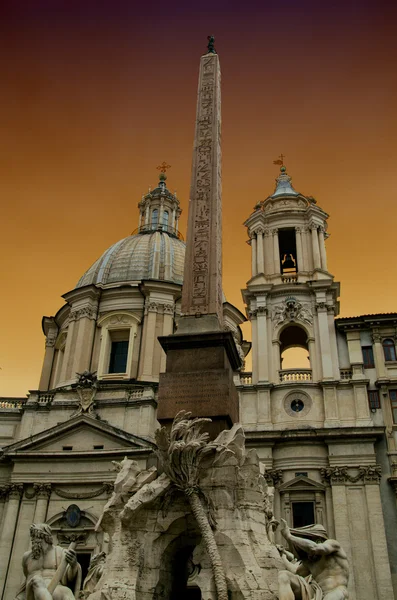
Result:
[{"x": 95, "y": 96}]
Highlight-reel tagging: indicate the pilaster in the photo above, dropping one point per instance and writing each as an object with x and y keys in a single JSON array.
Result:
[{"x": 15, "y": 492}]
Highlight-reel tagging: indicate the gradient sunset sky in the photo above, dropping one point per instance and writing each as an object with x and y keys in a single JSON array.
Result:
[{"x": 95, "y": 94}]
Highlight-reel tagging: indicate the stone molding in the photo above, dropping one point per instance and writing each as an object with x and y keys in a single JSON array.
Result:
[
  {"x": 168, "y": 309},
  {"x": 41, "y": 490},
  {"x": 51, "y": 339},
  {"x": 155, "y": 307},
  {"x": 273, "y": 477},
  {"x": 81, "y": 313},
  {"x": 11, "y": 490},
  {"x": 340, "y": 475},
  {"x": 106, "y": 487}
]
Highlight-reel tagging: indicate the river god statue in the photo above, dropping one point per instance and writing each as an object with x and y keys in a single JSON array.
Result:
[
  {"x": 321, "y": 571},
  {"x": 48, "y": 568}
]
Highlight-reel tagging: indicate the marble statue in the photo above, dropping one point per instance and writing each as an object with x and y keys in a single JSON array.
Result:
[
  {"x": 321, "y": 571},
  {"x": 49, "y": 569},
  {"x": 94, "y": 574}
]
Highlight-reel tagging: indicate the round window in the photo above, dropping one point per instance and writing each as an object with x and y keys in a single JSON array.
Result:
[{"x": 297, "y": 405}]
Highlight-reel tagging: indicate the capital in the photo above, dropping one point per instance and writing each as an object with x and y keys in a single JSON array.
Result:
[{"x": 42, "y": 490}]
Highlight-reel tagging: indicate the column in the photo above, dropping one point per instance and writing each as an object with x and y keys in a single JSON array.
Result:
[
  {"x": 168, "y": 329},
  {"x": 161, "y": 215},
  {"x": 149, "y": 333},
  {"x": 313, "y": 359},
  {"x": 260, "y": 253},
  {"x": 378, "y": 539},
  {"x": 326, "y": 358},
  {"x": 7, "y": 534},
  {"x": 48, "y": 361},
  {"x": 254, "y": 269},
  {"x": 268, "y": 249},
  {"x": 299, "y": 249},
  {"x": 3, "y": 499},
  {"x": 276, "y": 252},
  {"x": 263, "y": 369},
  {"x": 341, "y": 520},
  {"x": 379, "y": 356},
  {"x": 147, "y": 214},
  {"x": 323, "y": 253},
  {"x": 85, "y": 325},
  {"x": 68, "y": 348},
  {"x": 254, "y": 331},
  {"x": 173, "y": 219},
  {"x": 315, "y": 246},
  {"x": 43, "y": 493},
  {"x": 276, "y": 361},
  {"x": 140, "y": 219}
]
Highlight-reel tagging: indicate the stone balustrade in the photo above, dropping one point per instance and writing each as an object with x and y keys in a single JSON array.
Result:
[
  {"x": 289, "y": 279},
  {"x": 246, "y": 378},
  {"x": 346, "y": 373},
  {"x": 298, "y": 375},
  {"x": 9, "y": 403}
]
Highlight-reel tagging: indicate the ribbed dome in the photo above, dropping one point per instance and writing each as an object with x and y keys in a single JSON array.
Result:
[{"x": 154, "y": 255}]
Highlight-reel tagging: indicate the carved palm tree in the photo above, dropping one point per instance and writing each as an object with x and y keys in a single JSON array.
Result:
[{"x": 181, "y": 454}]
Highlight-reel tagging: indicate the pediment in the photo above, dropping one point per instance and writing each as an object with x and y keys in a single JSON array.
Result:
[
  {"x": 301, "y": 483},
  {"x": 80, "y": 434}
]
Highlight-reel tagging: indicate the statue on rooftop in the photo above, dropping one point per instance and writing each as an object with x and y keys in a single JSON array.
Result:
[{"x": 321, "y": 571}]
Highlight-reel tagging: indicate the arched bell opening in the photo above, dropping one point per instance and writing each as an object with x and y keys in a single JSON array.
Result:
[{"x": 295, "y": 364}]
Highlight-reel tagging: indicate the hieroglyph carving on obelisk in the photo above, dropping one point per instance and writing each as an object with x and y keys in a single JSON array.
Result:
[{"x": 202, "y": 284}]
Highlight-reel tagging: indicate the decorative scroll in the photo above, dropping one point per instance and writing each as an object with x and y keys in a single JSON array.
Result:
[{"x": 106, "y": 487}]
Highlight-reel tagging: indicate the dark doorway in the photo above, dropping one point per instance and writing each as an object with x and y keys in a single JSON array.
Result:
[
  {"x": 303, "y": 513},
  {"x": 84, "y": 558},
  {"x": 181, "y": 569}
]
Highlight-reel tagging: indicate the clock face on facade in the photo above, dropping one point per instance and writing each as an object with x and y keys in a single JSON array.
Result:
[{"x": 297, "y": 404}]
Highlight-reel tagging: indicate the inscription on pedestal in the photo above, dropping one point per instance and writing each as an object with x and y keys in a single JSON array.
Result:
[{"x": 205, "y": 393}]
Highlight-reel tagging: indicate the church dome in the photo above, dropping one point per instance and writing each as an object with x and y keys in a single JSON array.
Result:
[
  {"x": 145, "y": 255},
  {"x": 153, "y": 251}
]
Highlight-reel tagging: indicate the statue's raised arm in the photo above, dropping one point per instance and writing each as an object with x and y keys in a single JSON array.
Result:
[{"x": 323, "y": 571}]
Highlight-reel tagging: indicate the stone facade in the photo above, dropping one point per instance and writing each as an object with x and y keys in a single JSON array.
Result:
[{"x": 325, "y": 435}]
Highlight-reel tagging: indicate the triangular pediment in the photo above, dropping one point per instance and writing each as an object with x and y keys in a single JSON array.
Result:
[
  {"x": 81, "y": 434},
  {"x": 301, "y": 483}
]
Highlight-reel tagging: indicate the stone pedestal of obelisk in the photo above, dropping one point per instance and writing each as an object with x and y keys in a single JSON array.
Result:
[{"x": 201, "y": 356}]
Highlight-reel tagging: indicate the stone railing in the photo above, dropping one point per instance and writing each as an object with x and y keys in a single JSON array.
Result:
[
  {"x": 245, "y": 378},
  {"x": 289, "y": 279},
  {"x": 9, "y": 403},
  {"x": 346, "y": 374},
  {"x": 45, "y": 397},
  {"x": 295, "y": 375}
]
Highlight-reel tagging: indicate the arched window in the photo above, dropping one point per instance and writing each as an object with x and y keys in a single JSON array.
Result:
[
  {"x": 165, "y": 220},
  {"x": 155, "y": 218},
  {"x": 294, "y": 355},
  {"x": 389, "y": 349}
]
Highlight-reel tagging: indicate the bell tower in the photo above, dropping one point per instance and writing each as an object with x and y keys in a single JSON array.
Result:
[{"x": 291, "y": 297}]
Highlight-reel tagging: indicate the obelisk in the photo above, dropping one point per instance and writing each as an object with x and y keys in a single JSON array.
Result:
[
  {"x": 201, "y": 356},
  {"x": 202, "y": 280}
]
